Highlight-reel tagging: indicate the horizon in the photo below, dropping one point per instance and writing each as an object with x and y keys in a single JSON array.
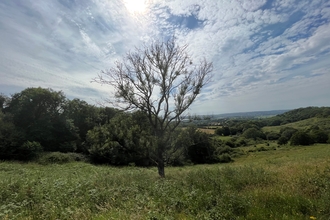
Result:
[{"x": 267, "y": 54}]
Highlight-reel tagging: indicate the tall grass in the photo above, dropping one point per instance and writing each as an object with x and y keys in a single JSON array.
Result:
[{"x": 284, "y": 184}]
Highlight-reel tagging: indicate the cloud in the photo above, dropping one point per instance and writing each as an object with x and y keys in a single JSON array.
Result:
[{"x": 261, "y": 49}]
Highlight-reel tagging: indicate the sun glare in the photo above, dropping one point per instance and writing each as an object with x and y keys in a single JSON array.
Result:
[{"x": 135, "y": 6}]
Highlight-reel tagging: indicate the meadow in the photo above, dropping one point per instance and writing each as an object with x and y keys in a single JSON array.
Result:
[
  {"x": 286, "y": 183},
  {"x": 302, "y": 124}
]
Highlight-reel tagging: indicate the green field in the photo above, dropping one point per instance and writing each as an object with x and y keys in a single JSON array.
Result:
[
  {"x": 287, "y": 183},
  {"x": 323, "y": 123}
]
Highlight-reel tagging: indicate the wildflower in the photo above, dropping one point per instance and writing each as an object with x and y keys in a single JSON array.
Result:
[{"x": 312, "y": 217}]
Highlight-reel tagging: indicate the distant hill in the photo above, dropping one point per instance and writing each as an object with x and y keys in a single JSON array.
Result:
[
  {"x": 254, "y": 114},
  {"x": 298, "y": 115}
]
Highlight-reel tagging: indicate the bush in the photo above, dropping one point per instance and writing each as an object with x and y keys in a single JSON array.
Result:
[
  {"x": 273, "y": 136},
  {"x": 287, "y": 132},
  {"x": 253, "y": 133},
  {"x": 29, "y": 150},
  {"x": 230, "y": 144},
  {"x": 282, "y": 141},
  {"x": 60, "y": 158},
  {"x": 301, "y": 138},
  {"x": 225, "y": 158},
  {"x": 224, "y": 149},
  {"x": 225, "y": 131},
  {"x": 319, "y": 136},
  {"x": 241, "y": 142}
]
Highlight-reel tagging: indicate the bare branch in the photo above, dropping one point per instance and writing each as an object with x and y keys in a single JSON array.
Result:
[{"x": 160, "y": 80}]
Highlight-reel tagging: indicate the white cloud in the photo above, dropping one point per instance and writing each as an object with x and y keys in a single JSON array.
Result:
[{"x": 259, "y": 50}]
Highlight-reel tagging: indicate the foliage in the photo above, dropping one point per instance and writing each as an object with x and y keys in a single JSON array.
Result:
[
  {"x": 28, "y": 151},
  {"x": 36, "y": 112},
  {"x": 85, "y": 117},
  {"x": 301, "y": 138},
  {"x": 60, "y": 158},
  {"x": 225, "y": 131},
  {"x": 121, "y": 142},
  {"x": 282, "y": 140},
  {"x": 253, "y": 133},
  {"x": 298, "y": 115},
  {"x": 225, "y": 158},
  {"x": 272, "y": 136},
  {"x": 11, "y": 139},
  {"x": 319, "y": 136},
  {"x": 287, "y": 132}
]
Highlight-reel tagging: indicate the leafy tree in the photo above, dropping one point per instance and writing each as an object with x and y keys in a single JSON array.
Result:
[
  {"x": 3, "y": 102},
  {"x": 273, "y": 136},
  {"x": 253, "y": 133},
  {"x": 282, "y": 140},
  {"x": 37, "y": 113},
  {"x": 12, "y": 144},
  {"x": 124, "y": 140},
  {"x": 319, "y": 136},
  {"x": 287, "y": 132},
  {"x": 225, "y": 131},
  {"x": 301, "y": 114},
  {"x": 28, "y": 150},
  {"x": 201, "y": 150},
  {"x": 85, "y": 117},
  {"x": 301, "y": 138},
  {"x": 162, "y": 81}
]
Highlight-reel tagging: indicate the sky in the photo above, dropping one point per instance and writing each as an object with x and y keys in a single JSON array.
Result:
[{"x": 266, "y": 54}]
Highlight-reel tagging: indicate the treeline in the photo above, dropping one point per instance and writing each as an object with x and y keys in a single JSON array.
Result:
[
  {"x": 38, "y": 120},
  {"x": 253, "y": 129},
  {"x": 297, "y": 115}
]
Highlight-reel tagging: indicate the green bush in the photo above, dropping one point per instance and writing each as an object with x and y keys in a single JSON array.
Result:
[
  {"x": 287, "y": 132},
  {"x": 301, "y": 138},
  {"x": 57, "y": 158},
  {"x": 253, "y": 133},
  {"x": 319, "y": 136},
  {"x": 225, "y": 158},
  {"x": 282, "y": 141},
  {"x": 29, "y": 150},
  {"x": 273, "y": 136}
]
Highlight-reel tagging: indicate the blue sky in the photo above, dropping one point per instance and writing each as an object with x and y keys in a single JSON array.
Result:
[{"x": 267, "y": 54}]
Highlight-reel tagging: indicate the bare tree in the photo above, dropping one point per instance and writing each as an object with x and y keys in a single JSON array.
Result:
[{"x": 162, "y": 81}]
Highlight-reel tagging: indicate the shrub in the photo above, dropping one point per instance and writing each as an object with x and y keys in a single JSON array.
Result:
[
  {"x": 225, "y": 158},
  {"x": 319, "y": 136},
  {"x": 230, "y": 144},
  {"x": 55, "y": 158},
  {"x": 224, "y": 149},
  {"x": 253, "y": 133},
  {"x": 241, "y": 142},
  {"x": 282, "y": 141},
  {"x": 273, "y": 136},
  {"x": 29, "y": 150},
  {"x": 287, "y": 132},
  {"x": 301, "y": 138},
  {"x": 225, "y": 131}
]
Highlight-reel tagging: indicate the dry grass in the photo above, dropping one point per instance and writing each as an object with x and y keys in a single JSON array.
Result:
[{"x": 206, "y": 130}]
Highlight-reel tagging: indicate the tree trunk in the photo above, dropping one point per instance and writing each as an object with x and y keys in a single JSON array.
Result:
[{"x": 161, "y": 167}]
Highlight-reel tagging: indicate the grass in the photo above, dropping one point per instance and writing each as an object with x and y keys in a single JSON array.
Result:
[
  {"x": 287, "y": 183},
  {"x": 301, "y": 125},
  {"x": 208, "y": 130}
]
